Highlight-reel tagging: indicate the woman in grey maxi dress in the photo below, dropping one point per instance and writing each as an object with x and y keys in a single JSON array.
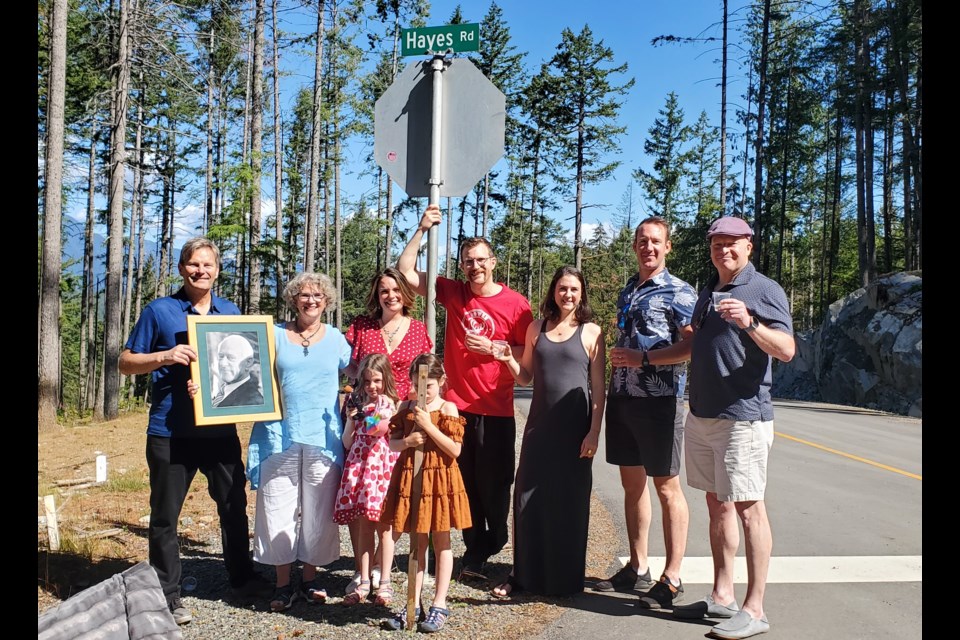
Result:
[{"x": 564, "y": 355}]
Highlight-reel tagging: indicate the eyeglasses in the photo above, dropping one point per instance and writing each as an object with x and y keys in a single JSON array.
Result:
[
  {"x": 307, "y": 297},
  {"x": 476, "y": 261}
]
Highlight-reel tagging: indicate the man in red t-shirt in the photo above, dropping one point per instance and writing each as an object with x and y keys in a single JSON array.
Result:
[{"x": 479, "y": 311}]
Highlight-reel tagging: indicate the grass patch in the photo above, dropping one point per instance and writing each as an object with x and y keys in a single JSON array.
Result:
[
  {"x": 130, "y": 481},
  {"x": 72, "y": 542}
]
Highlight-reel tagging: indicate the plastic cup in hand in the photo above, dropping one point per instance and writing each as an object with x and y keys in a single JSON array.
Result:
[
  {"x": 717, "y": 297},
  {"x": 720, "y": 295},
  {"x": 500, "y": 348}
]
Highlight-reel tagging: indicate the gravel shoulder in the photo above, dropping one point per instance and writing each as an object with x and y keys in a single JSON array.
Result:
[{"x": 474, "y": 612}]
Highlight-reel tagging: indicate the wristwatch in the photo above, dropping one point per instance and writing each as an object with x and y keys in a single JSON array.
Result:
[
  {"x": 646, "y": 359},
  {"x": 754, "y": 323}
]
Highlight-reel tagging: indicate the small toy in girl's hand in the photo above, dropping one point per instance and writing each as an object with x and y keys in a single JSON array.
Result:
[
  {"x": 353, "y": 401},
  {"x": 376, "y": 417}
]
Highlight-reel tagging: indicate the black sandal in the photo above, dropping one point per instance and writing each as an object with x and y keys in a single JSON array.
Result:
[{"x": 509, "y": 588}]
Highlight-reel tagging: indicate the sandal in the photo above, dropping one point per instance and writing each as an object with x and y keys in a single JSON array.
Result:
[
  {"x": 436, "y": 618},
  {"x": 384, "y": 594},
  {"x": 358, "y": 596},
  {"x": 283, "y": 598},
  {"x": 312, "y": 592},
  {"x": 399, "y": 620},
  {"x": 506, "y": 589},
  {"x": 661, "y": 595}
]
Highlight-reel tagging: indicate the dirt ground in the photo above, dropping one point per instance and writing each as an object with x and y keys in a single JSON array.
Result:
[{"x": 102, "y": 528}]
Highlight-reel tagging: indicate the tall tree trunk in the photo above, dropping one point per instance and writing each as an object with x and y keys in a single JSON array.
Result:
[
  {"x": 785, "y": 162},
  {"x": 218, "y": 159},
  {"x": 327, "y": 179},
  {"x": 49, "y": 365},
  {"x": 823, "y": 217},
  {"x": 277, "y": 156},
  {"x": 256, "y": 156},
  {"x": 309, "y": 249},
  {"x": 393, "y": 75},
  {"x": 137, "y": 207},
  {"x": 837, "y": 195},
  {"x": 337, "y": 220},
  {"x": 476, "y": 209},
  {"x": 112, "y": 310},
  {"x": 88, "y": 341},
  {"x": 758, "y": 160},
  {"x": 911, "y": 152},
  {"x": 449, "y": 261},
  {"x": 917, "y": 159},
  {"x": 380, "y": 262},
  {"x": 463, "y": 214},
  {"x": 208, "y": 175},
  {"x": 723, "y": 115},
  {"x": 486, "y": 195},
  {"x": 128, "y": 285},
  {"x": 534, "y": 194},
  {"x": 578, "y": 212},
  {"x": 746, "y": 146},
  {"x": 164, "y": 225},
  {"x": 248, "y": 68},
  {"x": 864, "y": 147},
  {"x": 889, "y": 118}
]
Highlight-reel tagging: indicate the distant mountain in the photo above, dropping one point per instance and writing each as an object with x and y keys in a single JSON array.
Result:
[{"x": 73, "y": 249}]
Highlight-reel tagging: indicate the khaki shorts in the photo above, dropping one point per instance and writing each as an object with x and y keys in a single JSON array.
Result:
[{"x": 728, "y": 457}]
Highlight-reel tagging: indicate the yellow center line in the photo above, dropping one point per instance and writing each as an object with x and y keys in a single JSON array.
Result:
[{"x": 851, "y": 456}]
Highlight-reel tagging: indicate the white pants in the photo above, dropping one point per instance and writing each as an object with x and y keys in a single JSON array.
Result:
[{"x": 294, "y": 517}]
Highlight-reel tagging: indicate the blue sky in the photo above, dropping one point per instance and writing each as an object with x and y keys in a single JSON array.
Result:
[{"x": 690, "y": 70}]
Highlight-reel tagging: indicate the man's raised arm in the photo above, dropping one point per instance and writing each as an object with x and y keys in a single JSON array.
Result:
[{"x": 407, "y": 262}]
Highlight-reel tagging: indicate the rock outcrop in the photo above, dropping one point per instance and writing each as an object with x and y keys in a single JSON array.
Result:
[{"x": 868, "y": 352}]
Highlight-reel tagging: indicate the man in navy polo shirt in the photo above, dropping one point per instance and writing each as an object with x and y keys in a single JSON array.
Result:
[
  {"x": 741, "y": 321},
  {"x": 176, "y": 447}
]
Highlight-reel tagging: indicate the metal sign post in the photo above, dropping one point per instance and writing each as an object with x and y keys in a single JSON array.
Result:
[
  {"x": 439, "y": 139},
  {"x": 437, "y": 65}
]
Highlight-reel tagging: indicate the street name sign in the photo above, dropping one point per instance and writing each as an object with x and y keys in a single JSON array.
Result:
[{"x": 458, "y": 38}]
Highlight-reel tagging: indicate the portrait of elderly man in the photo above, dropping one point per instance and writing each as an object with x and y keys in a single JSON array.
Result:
[{"x": 238, "y": 380}]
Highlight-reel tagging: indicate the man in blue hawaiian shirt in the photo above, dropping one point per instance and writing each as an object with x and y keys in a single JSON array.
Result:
[{"x": 644, "y": 434}]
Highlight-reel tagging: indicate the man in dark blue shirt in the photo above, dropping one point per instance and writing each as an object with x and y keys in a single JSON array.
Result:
[
  {"x": 741, "y": 321},
  {"x": 176, "y": 447}
]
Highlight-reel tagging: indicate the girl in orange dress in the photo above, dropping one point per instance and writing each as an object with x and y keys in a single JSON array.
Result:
[{"x": 443, "y": 500}]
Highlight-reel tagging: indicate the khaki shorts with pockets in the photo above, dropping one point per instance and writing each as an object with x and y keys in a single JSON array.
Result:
[{"x": 728, "y": 457}]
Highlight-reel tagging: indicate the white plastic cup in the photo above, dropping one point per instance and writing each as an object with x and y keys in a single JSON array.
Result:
[{"x": 500, "y": 348}]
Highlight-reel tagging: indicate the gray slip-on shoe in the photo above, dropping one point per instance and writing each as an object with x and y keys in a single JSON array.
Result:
[
  {"x": 705, "y": 608},
  {"x": 742, "y": 625}
]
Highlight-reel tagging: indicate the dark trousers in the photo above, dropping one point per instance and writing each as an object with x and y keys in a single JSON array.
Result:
[
  {"x": 487, "y": 465},
  {"x": 173, "y": 464}
]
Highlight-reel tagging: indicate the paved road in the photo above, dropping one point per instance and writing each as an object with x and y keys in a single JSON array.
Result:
[{"x": 845, "y": 498}]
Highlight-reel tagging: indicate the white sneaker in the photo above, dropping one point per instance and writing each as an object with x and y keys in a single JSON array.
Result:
[
  {"x": 375, "y": 578},
  {"x": 353, "y": 584}
]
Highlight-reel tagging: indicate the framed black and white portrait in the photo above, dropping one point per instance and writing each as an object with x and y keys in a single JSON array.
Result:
[{"x": 234, "y": 369}]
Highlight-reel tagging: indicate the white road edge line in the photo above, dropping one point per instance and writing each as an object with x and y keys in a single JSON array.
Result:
[{"x": 806, "y": 569}]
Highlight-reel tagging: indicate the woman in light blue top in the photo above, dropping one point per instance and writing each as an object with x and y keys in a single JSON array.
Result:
[{"x": 295, "y": 463}]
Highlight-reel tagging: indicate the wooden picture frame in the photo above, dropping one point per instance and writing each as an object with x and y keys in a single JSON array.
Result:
[{"x": 234, "y": 369}]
